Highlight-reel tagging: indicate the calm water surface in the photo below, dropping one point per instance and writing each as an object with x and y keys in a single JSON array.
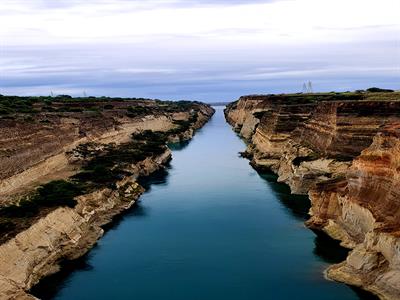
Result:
[{"x": 209, "y": 227}]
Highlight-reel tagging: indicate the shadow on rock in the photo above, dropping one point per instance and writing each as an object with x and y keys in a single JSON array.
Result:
[
  {"x": 297, "y": 205},
  {"x": 49, "y": 287},
  {"x": 178, "y": 146}
]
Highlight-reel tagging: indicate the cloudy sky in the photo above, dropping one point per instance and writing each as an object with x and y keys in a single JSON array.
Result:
[{"x": 211, "y": 50}]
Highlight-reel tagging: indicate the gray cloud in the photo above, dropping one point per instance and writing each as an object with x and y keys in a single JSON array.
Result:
[
  {"x": 212, "y": 74},
  {"x": 203, "y": 65},
  {"x": 51, "y": 4}
]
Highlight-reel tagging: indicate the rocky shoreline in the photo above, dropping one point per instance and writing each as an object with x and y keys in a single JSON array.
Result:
[
  {"x": 343, "y": 150},
  {"x": 67, "y": 233}
]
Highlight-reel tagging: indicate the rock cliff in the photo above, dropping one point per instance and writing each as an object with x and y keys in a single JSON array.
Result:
[
  {"x": 102, "y": 145},
  {"x": 34, "y": 147},
  {"x": 363, "y": 211},
  {"x": 343, "y": 150},
  {"x": 67, "y": 233}
]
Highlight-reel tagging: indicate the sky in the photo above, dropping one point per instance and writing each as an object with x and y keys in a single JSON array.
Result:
[{"x": 197, "y": 49}]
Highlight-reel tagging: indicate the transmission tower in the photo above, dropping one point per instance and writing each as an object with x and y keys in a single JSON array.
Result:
[
  {"x": 309, "y": 87},
  {"x": 304, "y": 88}
]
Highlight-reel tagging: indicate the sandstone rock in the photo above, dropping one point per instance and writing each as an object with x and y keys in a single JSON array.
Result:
[
  {"x": 68, "y": 233},
  {"x": 346, "y": 156}
]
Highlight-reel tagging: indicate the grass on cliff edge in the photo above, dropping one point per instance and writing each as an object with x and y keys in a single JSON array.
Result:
[
  {"x": 132, "y": 107},
  {"x": 371, "y": 94},
  {"x": 102, "y": 168},
  {"x": 108, "y": 166},
  {"x": 18, "y": 217},
  {"x": 52, "y": 194}
]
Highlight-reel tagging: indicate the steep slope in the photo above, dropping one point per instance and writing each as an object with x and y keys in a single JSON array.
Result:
[
  {"x": 344, "y": 154},
  {"x": 99, "y": 157},
  {"x": 363, "y": 211}
]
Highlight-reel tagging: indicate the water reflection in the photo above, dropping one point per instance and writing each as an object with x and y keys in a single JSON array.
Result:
[
  {"x": 210, "y": 229},
  {"x": 159, "y": 177},
  {"x": 179, "y": 145},
  {"x": 329, "y": 249},
  {"x": 326, "y": 248},
  {"x": 50, "y": 287},
  {"x": 297, "y": 205}
]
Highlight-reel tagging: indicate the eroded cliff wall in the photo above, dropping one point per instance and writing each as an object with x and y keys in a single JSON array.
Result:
[
  {"x": 35, "y": 148},
  {"x": 103, "y": 154},
  {"x": 363, "y": 211},
  {"x": 66, "y": 233},
  {"x": 345, "y": 154}
]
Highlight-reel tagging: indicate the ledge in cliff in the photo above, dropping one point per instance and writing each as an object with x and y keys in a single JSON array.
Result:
[
  {"x": 345, "y": 153},
  {"x": 365, "y": 211},
  {"x": 66, "y": 233}
]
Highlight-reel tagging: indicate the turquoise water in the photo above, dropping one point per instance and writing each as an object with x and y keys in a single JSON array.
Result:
[{"x": 209, "y": 227}]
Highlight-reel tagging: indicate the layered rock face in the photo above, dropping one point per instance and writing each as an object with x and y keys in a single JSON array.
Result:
[
  {"x": 307, "y": 142},
  {"x": 35, "y": 152},
  {"x": 242, "y": 109},
  {"x": 274, "y": 131},
  {"x": 345, "y": 155},
  {"x": 66, "y": 233},
  {"x": 363, "y": 211}
]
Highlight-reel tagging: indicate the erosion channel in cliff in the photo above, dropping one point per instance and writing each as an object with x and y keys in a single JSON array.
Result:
[{"x": 208, "y": 227}]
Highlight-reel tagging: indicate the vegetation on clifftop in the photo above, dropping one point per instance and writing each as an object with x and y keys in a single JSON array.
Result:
[
  {"x": 131, "y": 107},
  {"x": 373, "y": 94},
  {"x": 102, "y": 166},
  {"x": 17, "y": 217}
]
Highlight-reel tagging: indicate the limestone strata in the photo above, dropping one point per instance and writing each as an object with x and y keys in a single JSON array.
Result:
[
  {"x": 346, "y": 155},
  {"x": 66, "y": 233},
  {"x": 309, "y": 142},
  {"x": 202, "y": 118},
  {"x": 52, "y": 161},
  {"x": 363, "y": 211},
  {"x": 33, "y": 153},
  {"x": 240, "y": 110}
]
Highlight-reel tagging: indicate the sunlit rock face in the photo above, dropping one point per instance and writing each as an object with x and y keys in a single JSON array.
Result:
[
  {"x": 365, "y": 215},
  {"x": 305, "y": 140},
  {"x": 240, "y": 110},
  {"x": 322, "y": 147},
  {"x": 344, "y": 129},
  {"x": 346, "y": 156},
  {"x": 35, "y": 148},
  {"x": 47, "y": 148}
]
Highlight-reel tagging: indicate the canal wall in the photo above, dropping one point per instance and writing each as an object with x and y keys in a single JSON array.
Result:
[{"x": 342, "y": 149}]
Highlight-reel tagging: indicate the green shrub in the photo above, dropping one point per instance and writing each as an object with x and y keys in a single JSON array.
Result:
[
  {"x": 137, "y": 110},
  {"x": 99, "y": 175},
  {"x": 150, "y": 135},
  {"x": 53, "y": 194},
  {"x": 6, "y": 226},
  {"x": 378, "y": 90}
]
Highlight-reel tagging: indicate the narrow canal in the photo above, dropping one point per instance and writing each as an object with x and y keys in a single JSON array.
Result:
[{"x": 209, "y": 227}]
